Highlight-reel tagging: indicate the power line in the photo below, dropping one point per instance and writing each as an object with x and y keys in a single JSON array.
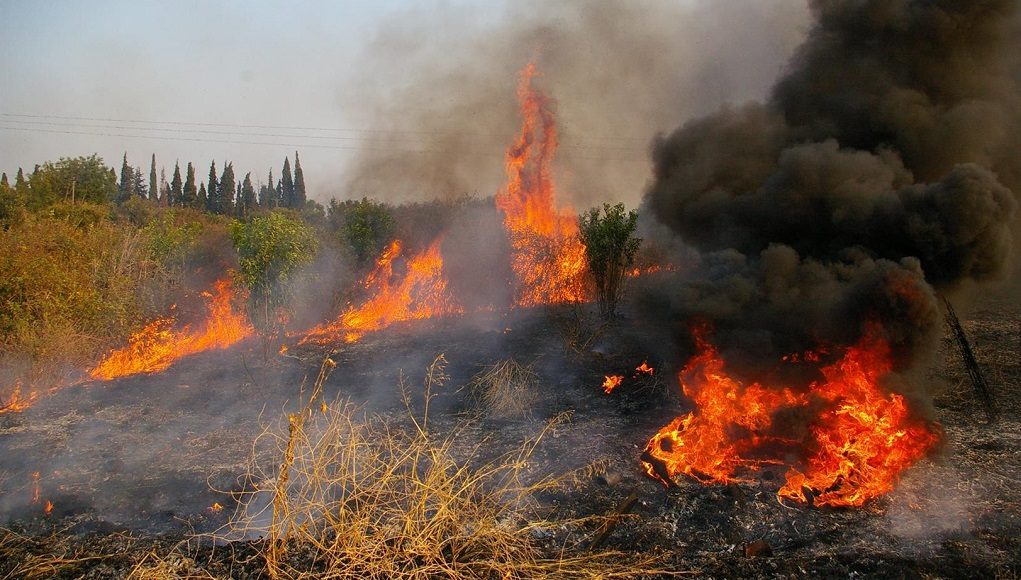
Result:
[
  {"x": 265, "y": 143},
  {"x": 635, "y": 140}
]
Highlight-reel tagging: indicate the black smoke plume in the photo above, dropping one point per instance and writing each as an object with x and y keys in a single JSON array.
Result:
[{"x": 880, "y": 172}]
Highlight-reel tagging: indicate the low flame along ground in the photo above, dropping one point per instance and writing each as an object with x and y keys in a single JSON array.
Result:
[
  {"x": 420, "y": 293},
  {"x": 159, "y": 344},
  {"x": 858, "y": 443}
]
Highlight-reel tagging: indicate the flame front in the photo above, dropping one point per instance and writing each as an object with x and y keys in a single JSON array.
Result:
[
  {"x": 159, "y": 345},
  {"x": 548, "y": 258},
  {"x": 420, "y": 293},
  {"x": 857, "y": 445}
]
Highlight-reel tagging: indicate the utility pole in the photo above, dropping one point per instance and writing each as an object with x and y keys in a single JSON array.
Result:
[{"x": 982, "y": 389}]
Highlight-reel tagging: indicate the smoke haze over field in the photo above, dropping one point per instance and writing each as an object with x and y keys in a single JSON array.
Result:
[
  {"x": 879, "y": 172},
  {"x": 619, "y": 73},
  {"x": 424, "y": 92}
]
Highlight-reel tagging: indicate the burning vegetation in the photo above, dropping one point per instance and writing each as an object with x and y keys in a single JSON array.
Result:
[
  {"x": 859, "y": 438},
  {"x": 807, "y": 243},
  {"x": 159, "y": 344}
]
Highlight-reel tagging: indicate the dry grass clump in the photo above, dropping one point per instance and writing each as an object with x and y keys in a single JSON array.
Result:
[
  {"x": 505, "y": 389},
  {"x": 359, "y": 497}
]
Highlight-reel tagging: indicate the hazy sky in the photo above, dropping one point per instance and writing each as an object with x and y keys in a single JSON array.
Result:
[
  {"x": 175, "y": 66},
  {"x": 252, "y": 81}
]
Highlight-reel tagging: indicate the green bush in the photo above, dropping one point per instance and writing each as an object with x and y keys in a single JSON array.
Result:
[
  {"x": 610, "y": 247},
  {"x": 271, "y": 248}
]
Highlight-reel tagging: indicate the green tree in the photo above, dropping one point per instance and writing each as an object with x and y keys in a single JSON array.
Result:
[
  {"x": 189, "y": 195},
  {"x": 246, "y": 201},
  {"x": 153, "y": 184},
  {"x": 140, "y": 188},
  {"x": 365, "y": 226},
  {"x": 212, "y": 191},
  {"x": 268, "y": 194},
  {"x": 287, "y": 186},
  {"x": 72, "y": 179},
  {"x": 126, "y": 188},
  {"x": 610, "y": 247},
  {"x": 9, "y": 204},
  {"x": 203, "y": 197},
  {"x": 299, "y": 183},
  {"x": 270, "y": 249},
  {"x": 225, "y": 191},
  {"x": 176, "y": 187}
]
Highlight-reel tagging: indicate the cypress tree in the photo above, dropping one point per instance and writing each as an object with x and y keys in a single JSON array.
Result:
[
  {"x": 127, "y": 184},
  {"x": 189, "y": 196},
  {"x": 164, "y": 198},
  {"x": 268, "y": 194},
  {"x": 203, "y": 201},
  {"x": 212, "y": 191},
  {"x": 20, "y": 185},
  {"x": 226, "y": 191},
  {"x": 3, "y": 180},
  {"x": 176, "y": 189},
  {"x": 153, "y": 192},
  {"x": 141, "y": 189},
  {"x": 299, "y": 183},
  {"x": 287, "y": 185},
  {"x": 246, "y": 202},
  {"x": 280, "y": 194}
]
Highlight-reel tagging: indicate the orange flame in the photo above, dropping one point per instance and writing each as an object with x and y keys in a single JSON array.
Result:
[
  {"x": 420, "y": 293},
  {"x": 862, "y": 439},
  {"x": 548, "y": 257},
  {"x": 158, "y": 345},
  {"x": 611, "y": 382},
  {"x": 49, "y": 508},
  {"x": 18, "y": 402},
  {"x": 645, "y": 369}
]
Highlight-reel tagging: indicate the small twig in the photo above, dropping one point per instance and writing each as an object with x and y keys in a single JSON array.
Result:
[{"x": 613, "y": 520}]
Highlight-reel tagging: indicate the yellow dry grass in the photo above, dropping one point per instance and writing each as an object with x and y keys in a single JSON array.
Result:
[
  {"x": 505, "y": 389},
  {"x": 355, "y": 496}
]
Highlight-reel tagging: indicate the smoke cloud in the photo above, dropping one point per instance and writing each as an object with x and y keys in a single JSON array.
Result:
[
  {"x": 440, "y": 87},
  {"x": 881, "y": 170}
]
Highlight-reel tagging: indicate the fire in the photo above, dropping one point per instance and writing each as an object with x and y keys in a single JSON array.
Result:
[
  {"x": 548, "y": 257},
  {"x": 421, "y": 292},
  {"x": 858, "y": 444},
  {"x": 611, "y": 382},
  {"x": 645, "y": 369},
  {"x": 17, "y": 401},
  {"x": 49, "y": 508},
  {"x": 159, "y": 345}
]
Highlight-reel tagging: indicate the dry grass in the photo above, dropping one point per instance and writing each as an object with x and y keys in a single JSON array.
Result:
[
  {"x": 505, "y": 389},
  {"x": 358, "y": 497}
]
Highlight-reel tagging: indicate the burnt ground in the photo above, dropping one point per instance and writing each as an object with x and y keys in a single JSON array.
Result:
[{"x": 133, "y": 466}]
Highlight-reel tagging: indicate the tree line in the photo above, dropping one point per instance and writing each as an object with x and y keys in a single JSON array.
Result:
[{"x": 88, "y": 179}]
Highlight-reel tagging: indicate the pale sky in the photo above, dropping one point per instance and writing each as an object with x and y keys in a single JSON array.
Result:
[
  {"x": 252, "y": 81},
  {"x": 185, "y": 80}
]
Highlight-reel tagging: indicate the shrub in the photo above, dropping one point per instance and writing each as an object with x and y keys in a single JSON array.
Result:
[
  {"x": 610, "y": 247},
  {"x": 271, "y": 248}
]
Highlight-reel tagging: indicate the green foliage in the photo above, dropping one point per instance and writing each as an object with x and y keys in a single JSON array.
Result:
[
  {"x": 287, "y": 186},
  {"x": 67, "y": 292},
  {"x": 79, "y": 179},
  {"x": 271, "y": 248},
  {"x": 364, "y": 226},
  {"x": 610, "y": 247},
  {"x": 168, "y": 242},
  {"x": 80, "y": 215}
]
